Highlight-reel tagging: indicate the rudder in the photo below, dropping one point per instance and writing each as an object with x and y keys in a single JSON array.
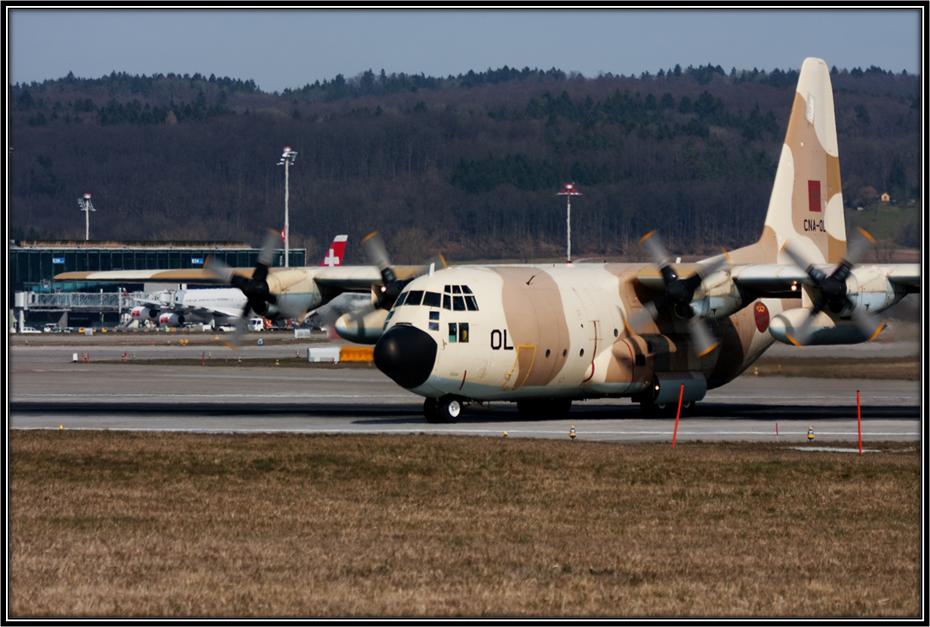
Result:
[{"x": 806, "y": 205}]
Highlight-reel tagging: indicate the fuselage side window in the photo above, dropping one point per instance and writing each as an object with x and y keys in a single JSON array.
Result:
[
  {"x": 414, "y": 297},
  {"x": 432, "y": 299},
  {"x": 458, "y": 303},
  {"x": 463, "y": 331},
  {"x": 471, "y": 303},
  {"x": 453, "y": 332}
]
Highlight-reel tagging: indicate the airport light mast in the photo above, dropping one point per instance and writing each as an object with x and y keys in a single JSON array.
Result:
[
  {"x": 86, "y": 206},
  {"x": 568, "y": 190},
  {"x": 288, "y": 157}
]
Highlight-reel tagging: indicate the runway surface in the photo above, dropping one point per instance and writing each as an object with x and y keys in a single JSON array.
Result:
[{"x": 47, "y": 390}]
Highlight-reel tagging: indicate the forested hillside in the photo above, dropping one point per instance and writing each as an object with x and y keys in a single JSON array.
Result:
[{"x": 466, "y": 164}]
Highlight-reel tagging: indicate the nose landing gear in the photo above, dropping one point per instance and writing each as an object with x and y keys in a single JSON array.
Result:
[{"x": 446, "y": 409}]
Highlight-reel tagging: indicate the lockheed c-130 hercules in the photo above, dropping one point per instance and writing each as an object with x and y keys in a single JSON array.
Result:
[{"x": 546, "y": 335}]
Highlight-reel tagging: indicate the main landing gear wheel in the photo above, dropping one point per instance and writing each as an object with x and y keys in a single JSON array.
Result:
[{"x": 446, "y": 409}]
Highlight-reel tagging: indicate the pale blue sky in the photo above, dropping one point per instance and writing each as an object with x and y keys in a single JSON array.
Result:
[{"x": 292, "y": 47}]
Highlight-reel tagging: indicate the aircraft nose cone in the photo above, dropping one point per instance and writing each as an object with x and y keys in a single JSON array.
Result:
[{"x": 406, "y": 354}]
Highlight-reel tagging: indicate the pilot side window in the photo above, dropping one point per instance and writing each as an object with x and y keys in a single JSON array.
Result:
[
  {"x": 463, "y": 331},
  {"x": 414, "y": 297},
  {"x": 431, "y": 299}
]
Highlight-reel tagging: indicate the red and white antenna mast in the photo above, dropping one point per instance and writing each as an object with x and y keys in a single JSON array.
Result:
[{"x": 568, "y": 190}]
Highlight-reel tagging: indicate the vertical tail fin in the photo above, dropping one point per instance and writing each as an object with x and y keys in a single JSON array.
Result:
[
  {"x": 806, "y": 205},
  {"x": 336, "y": 251}
]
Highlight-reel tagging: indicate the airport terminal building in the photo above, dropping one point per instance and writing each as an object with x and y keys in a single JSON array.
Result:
[{"x": 33, "y": 264}]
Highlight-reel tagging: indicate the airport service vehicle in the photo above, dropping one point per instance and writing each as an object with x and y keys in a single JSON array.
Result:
[{"x": 546, "y": 335}]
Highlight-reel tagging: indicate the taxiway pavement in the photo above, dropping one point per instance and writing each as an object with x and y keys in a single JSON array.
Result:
[{"x": 48, "y": 391}]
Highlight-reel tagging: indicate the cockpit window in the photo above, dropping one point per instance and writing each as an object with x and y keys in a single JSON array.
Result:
[
  {"x": 400, "y": 299},
  {"x": 414, "y": 297},
  {"x": 431, "y": 299},
  {"x": 457, "y": 298}
]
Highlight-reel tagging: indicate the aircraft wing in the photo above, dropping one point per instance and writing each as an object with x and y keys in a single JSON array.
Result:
[
  {"x": 183, "y": 275},
  {"x": 774, "y": 279},
  {"x": 359, "y": 278}
]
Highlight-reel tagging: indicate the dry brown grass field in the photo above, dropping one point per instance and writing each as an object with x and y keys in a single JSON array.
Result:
[{"x": 123, "y": 524}]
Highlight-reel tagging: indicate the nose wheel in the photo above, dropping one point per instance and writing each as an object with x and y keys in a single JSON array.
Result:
[{"x": 442, "y": 410}]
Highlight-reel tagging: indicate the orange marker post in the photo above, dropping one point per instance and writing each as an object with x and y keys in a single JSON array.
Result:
[
  {"x": 681, "y": 395},
  {"x": 859, "y": 420}
]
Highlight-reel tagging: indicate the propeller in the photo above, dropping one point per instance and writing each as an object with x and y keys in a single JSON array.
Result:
[
  {"x": 384, "y": 295},
  {"x": 377, "y": 254},
  {"x": 831, "y": 291},
  {"x": 678, "y": 294},
  {"x": 258, "y": 295}
]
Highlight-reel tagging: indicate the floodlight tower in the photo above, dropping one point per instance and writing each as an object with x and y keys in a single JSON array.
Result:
[
  {"x": 288, "y": 157},
  {"x": 568, "y": 190},
  {"x": 86, "y": 206}
]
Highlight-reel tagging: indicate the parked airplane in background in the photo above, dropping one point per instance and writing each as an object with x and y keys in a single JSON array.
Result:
[
  {"x": 545, "y": 335},
  {"x": 215, "y": 305}
]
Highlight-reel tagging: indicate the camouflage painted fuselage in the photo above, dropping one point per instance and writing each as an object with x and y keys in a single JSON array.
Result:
[{"x": 560, "y": 331}]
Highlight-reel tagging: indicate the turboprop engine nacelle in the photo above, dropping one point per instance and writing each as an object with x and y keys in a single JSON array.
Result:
[
  {"x": 362, "y": 329},
  {"x": 171, "y": 320},
  {"x": 718, "y": 297},
  {"x": 823, "y": 330},
  {"x": 142, "y": 313},
  {"x": 870, "y": 289}
]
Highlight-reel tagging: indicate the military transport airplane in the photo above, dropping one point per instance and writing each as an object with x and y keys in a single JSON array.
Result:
[
  {"x": 213, "y": 304},
  {"x": 545, "y": 335},
  {"x": 271, "y": 292}
]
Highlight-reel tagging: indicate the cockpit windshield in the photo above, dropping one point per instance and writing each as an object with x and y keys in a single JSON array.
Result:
[{"x": 453, "y": 298}]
